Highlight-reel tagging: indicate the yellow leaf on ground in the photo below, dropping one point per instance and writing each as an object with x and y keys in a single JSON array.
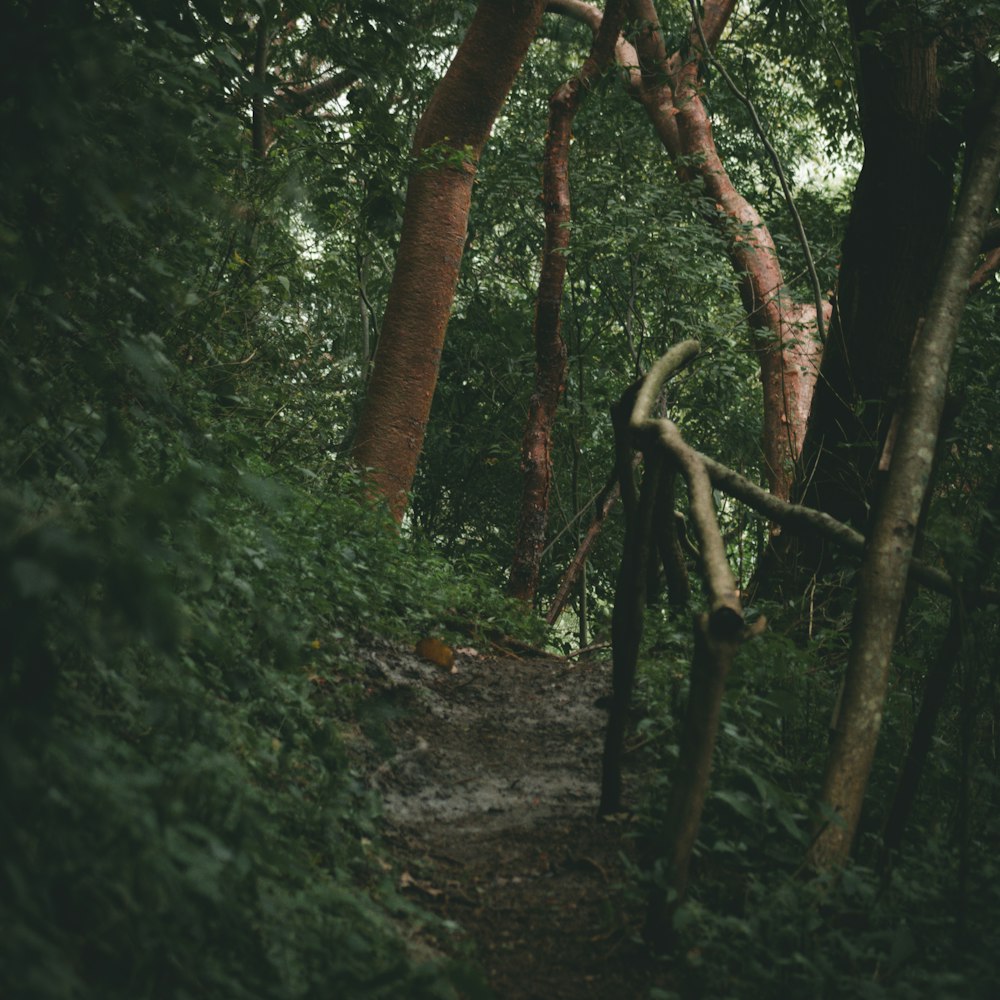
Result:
[{"x": 435, "y": 651}]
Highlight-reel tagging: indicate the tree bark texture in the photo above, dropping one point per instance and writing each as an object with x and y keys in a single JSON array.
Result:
[
  {"x": 550, "y": 348},
  {"x": 887, "y": 561},
  {"x": 784, "y": 332},
  {"x": 891, "y": 253},
  {"x": 446, "y": 150}
]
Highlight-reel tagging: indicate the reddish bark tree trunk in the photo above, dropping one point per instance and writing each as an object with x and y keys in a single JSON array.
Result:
[
  {"x": 669, "y": 88},
  {"x": 449, "y": 140},
  {"x": 785, "y": 343},
  {"x": 550, "y": 349},
  {"x": 579, "y": 560}
]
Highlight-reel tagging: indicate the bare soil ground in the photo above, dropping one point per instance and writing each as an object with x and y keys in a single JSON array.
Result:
[{"x": 490, "y": 798}]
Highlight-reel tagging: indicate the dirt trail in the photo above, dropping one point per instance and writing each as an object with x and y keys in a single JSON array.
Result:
[{"x": 490, "y": 801}]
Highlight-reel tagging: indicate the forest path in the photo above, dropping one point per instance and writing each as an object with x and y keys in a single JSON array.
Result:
[{"x": 490, "y": 801}]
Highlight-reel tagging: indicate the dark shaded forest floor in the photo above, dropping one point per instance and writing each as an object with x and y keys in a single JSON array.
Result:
[{"x": 490, "y": 797}]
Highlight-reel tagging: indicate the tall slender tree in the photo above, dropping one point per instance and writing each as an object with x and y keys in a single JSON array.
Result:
[
  {"x": 550, "y": 349},
  {"x": 894, "y": 531},
  {"x": 446, "y": 150}
]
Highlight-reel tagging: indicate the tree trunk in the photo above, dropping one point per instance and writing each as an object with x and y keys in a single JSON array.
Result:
[
  {"x": 669, "y": 88},
  {"x": 783, "y": 331},
  {"x": 891, "y": 253},
  {"x": 550, "y": 349},
  {"x": 446, "y": 150},
  {"x": 886, "y": 564}
]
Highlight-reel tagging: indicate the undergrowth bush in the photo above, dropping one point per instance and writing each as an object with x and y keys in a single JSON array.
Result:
[
  {"x": 855, "y": 936},
  {"x": 755, "y": 922},
  {"x": 179, "y": 817},
  {"x": 179, "y": 621}
]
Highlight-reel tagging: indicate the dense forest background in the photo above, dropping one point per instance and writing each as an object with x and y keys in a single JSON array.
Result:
[{"x": 201, "y": 215}]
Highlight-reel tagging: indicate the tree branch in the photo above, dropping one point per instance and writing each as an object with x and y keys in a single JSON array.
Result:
[
  {"x": 726, "y": 612},
  {"x": 794, "y": 517},
  {"x": 985, "y": 270},
  {"x": 304, "y": 100},
  {"x": 800, "y": 519},
  {"x": 775, "y": 162}
]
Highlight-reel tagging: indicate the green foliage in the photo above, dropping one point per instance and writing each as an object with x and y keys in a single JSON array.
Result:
[
  {"x": 755, "y": 923},
  {"x": 856, "y": 936},
  {"x": 442, "y": 155},
  {"x": 188, "y": 574},
  {"x": 179, "y": 813},
  {"x": 184, "y": 573}
]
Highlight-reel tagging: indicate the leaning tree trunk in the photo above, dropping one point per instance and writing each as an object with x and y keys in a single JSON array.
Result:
[
  {"x": 785, "y": 340},
  {"x": 784, "y": 332},
  {"x": 575, "y": 570},
  {"x": 550, "y": 349},
  {"x": 887, "y": 561},
  {"x": 446, "y": 149}
]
